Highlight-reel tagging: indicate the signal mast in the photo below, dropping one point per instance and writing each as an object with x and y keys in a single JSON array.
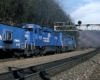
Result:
[{"x": 64, "y": 26}]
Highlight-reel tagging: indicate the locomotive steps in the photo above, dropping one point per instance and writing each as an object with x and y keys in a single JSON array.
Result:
[{"x": 50, "y": 66}]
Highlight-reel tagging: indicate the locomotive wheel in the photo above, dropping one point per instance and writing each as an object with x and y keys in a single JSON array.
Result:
[
  {"x": 60, "y": 50},
  {"x": 1, "y": 55},
  {"x": 41, "y": 53},
  {"x": 57, "y": 50},
  {"x": 27, "y": 54},
  {"x": 16, "y": 55},
  {"x": 37, "y": 52}
]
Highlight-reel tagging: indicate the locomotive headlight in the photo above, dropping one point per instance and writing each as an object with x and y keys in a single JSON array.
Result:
[
  {"x": 30, "y": 26},
  {"x": 23, "y": 27},
  {"x": 26, "y": 36}
]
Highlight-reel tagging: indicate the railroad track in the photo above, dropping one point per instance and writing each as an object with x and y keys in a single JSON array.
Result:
[
  {"x": 5, "y": 59},
  {"x": 45, "y": 71}
]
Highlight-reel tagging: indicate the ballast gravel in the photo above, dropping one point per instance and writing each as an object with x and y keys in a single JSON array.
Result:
[
  {"x": 83, "y": 71},
  {"x": 4, "y": 66}
]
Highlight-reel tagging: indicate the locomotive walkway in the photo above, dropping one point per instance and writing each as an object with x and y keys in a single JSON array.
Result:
[{"x": 51, "y": 68}]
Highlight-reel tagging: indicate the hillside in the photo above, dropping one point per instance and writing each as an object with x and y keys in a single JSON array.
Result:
[{"x": 42, "y": 12}]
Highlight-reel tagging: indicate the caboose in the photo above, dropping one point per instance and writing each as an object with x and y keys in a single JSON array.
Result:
[{"x": 11, "y": 40}]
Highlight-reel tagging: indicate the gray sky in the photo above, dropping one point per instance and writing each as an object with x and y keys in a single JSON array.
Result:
[{"x": 88, "y": 11}]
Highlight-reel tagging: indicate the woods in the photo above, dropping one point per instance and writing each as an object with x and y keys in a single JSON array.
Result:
[{"x": 42, "y": 12}]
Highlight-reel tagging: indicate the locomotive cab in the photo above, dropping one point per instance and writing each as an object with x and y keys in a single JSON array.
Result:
[
  {"x": 33, "y": 38},
  {"x": 29, "y": 39}
]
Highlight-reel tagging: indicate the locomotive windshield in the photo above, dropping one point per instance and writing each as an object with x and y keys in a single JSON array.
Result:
[{"x": 9, "y": 36}]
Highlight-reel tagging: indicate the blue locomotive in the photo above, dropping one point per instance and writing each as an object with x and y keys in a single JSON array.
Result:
[{"x": 32, "y": 39}]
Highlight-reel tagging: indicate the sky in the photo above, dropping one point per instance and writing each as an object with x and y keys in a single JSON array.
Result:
[{"x": 88, "y": 11}]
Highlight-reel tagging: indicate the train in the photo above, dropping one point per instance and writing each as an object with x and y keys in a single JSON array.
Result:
[{"x": 32, "y": 39}]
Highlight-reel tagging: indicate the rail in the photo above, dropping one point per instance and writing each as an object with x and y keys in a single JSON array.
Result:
[{"x": 45, "y": 71}]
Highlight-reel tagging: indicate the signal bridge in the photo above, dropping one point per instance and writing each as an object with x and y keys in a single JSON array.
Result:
[{"x": 63, "y": 26}]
